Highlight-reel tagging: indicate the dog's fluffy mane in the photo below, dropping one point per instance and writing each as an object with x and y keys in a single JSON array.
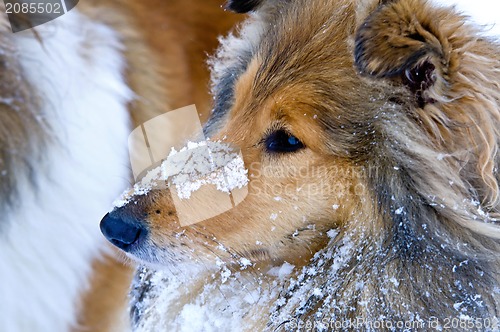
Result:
[{"x": 431, "y": 246}]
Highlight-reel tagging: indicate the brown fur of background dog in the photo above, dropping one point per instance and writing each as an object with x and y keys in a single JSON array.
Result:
[{"x": 397, "y": 103}]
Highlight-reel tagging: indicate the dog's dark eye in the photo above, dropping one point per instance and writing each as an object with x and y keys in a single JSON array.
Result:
[{"x": 282, "y": 141}]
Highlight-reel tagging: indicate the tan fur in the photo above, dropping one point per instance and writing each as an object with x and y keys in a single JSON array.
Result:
[
  {"x": 414, "y": 172},
  {"x": 167, "y": 44},
  {"x": 105, "y": 305}
]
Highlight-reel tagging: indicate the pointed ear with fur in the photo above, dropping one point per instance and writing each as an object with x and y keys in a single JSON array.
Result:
[{"x": 405, "y": 40}]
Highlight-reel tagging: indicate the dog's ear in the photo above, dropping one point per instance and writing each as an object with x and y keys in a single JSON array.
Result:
[
  {"x": 405, "y": 40},
  {"x": 243, "y": 6}
]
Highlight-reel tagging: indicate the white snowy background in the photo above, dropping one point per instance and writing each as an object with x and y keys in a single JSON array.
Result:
[{"x": 482, "y": 12}]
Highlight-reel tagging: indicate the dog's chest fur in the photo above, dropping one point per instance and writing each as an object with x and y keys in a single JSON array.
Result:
[{"x": 52, "y": 235}]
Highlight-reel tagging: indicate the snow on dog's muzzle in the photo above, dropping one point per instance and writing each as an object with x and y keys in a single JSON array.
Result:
[{"x": 205, "y": 179}]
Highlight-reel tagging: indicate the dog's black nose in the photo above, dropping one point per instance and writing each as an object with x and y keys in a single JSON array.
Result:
[{"x": 122, "y": 232}]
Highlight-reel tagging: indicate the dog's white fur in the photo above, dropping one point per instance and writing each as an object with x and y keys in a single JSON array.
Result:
[{"x": 51, "y": 238}]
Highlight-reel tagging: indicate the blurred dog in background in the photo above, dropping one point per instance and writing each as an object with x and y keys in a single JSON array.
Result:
[{"x": 70, "y": 92}]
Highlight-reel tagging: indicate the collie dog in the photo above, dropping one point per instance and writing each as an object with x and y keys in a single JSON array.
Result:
[
  {"x": 370, "y": 134},
  {"x": 70, "y": 92}
]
